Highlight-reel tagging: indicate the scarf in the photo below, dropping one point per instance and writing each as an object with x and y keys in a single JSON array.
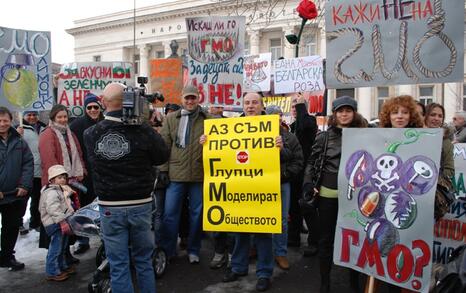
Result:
[
  {"x": 184, "y": 129},
  {"x": 71, "y": 163}
]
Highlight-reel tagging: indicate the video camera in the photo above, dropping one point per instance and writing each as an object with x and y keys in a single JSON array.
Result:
[{"x": 134, "y": 100}]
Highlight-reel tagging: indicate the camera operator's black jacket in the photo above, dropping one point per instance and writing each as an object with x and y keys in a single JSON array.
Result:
[{"x": 122, "y": 157}]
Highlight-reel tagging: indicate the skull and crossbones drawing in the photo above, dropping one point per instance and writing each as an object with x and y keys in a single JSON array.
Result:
[{"x": 386, "y": 164}]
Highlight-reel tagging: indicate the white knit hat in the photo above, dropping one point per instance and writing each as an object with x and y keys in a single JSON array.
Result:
[{"x": 56, "y": 170}]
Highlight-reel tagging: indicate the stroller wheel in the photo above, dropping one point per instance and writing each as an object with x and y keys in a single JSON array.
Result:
[
  {"x": 159, "y": 261},
  {"x": 100, "y": 255}
]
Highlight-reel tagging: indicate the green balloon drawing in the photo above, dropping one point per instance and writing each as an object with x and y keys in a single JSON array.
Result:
[{"x": 22, "y": 92}]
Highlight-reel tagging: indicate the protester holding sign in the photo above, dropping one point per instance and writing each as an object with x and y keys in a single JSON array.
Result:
[
  {"x": 400, "y": 112},
  {"x": 326, "y": 153},
  {"x": 181, "y": 131},
  {"x": 435, "y": 118},
  {"x": 291, "y": 164},
  {"x": 253, "y": 106},
  {"x": 305, "y": 128}
]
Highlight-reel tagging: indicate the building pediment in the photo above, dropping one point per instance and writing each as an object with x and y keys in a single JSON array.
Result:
[{"x": 163, "y": 12}]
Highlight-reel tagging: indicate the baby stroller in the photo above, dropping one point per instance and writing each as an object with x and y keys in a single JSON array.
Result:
[{"x": 86, "y": 222}]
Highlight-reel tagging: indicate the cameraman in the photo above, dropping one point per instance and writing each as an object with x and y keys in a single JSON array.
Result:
[{"x": 122, "y": 157}]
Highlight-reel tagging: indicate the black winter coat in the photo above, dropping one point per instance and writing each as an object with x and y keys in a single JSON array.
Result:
[
  {"x": 122, "y": 157},
  {"x": 329, "y": 175},
  {"x": 79, "y": 125},
  {"x": 291, "y": 157}
]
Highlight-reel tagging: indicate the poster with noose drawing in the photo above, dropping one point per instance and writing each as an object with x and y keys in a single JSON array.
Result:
[
  {"x": 393, "y": 42},
  {"x": 386, "y": 191}
]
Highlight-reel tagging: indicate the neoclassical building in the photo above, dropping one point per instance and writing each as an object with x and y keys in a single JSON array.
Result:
[{"x": 110, "y": 38}]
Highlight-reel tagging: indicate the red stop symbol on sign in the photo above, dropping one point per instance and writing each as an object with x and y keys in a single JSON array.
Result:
[{"x": 242, "y": 157}]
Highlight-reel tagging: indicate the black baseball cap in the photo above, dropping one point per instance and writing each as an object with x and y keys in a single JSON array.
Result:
[{"x": 344, "y": 101}]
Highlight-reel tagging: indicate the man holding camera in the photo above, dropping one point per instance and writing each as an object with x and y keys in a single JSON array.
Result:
[{"x": 122, "y": 157}]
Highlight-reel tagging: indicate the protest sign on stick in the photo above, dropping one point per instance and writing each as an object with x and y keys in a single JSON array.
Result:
[
  {"x": 303, "y": 74},
  {"x": 25, "y": 70},
  {"x": 379, "y": 42},
  {"x": 257, "y": 70},
  {"x": 78, "y": 79},
  {"x": 167, "y": 77},
  {"x": 216, "y": 55},
  {"x": 386, "y": 195},
  {"x": 242, "y": 175},
  {"x": 450, "y": 230}
]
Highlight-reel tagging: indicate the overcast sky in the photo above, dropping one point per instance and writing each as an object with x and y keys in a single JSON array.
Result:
[{"x": 56, "y": 16}]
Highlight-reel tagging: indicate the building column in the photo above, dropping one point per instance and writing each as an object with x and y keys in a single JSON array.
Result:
[
  {"x": 323, "y": 43},
  {"x": 254, "y": 42},
  {"x": 144, "y": 60},
  {"x": 364, "y": 95},
  {"x": 452, "y": 100},
  {"x": 288, "y": 49},
  {"x": 405, "y": 89}
]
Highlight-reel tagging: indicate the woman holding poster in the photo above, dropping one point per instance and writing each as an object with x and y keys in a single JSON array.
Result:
[
  {"x": 401, "y": 112},
  {"x": 326, "y": 152}
]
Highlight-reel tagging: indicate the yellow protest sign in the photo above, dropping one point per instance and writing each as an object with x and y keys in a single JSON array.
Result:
[
  {"x": 242, "y": 175},
  {"x": 283, "y": 102}
]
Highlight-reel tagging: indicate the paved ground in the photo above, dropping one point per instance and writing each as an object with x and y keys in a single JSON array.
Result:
[{"x": 180, "y": 277}]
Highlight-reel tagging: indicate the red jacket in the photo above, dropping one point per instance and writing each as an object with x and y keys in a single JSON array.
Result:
[{"x": 50, "y": 152}]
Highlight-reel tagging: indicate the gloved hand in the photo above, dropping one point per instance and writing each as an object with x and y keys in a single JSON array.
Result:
[
  {"x": 163, "y": 180},
  {"x": 75, "y": 201},
  {"x": 308, "y": 191},
  {"x": 65, "y": 228}
]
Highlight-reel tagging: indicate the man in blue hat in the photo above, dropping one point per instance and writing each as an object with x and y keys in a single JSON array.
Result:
[{"x": 92, "y": 115}]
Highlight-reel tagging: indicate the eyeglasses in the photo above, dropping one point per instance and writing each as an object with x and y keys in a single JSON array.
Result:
[
  {"x": 190, "y": 98},
  {"x": 92, "y": 107},
  {"x": 31, "y": 114}
]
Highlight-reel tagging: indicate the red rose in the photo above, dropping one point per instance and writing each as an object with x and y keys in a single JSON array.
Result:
[{"x": 307, "y": 9}]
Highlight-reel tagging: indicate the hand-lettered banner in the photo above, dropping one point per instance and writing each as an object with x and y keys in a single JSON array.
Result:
[
  {"x": 167, "y": 77},
  {"x": 378, "y": 42},
  {"x": 78, "y": 79},
  {"x": 303, "y": 74},
  {"x": 450, "y": 230},
  {"x": 216, "y": 53},
  {"x": 25, "y": 70},
  {"x": 257, "y": 70},
  {"x": 283, "y": 102},
  {"x": 386, "y": 195},
  {"x": 242, "y": 175},
  {"x": 317, "y": 102}
]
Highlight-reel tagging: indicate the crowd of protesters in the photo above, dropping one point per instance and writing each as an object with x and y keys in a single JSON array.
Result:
[{"x": 35, "y": 157}]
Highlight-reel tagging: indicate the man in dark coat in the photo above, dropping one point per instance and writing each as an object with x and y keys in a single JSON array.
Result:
[
  {"x": 16, "y": 174},
  {"x": 305, "y": 128},
  {"x": 92, "y": 115}
]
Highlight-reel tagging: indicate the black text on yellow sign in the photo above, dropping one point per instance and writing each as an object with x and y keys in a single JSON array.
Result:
[{"x": 242, "y": 175}]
